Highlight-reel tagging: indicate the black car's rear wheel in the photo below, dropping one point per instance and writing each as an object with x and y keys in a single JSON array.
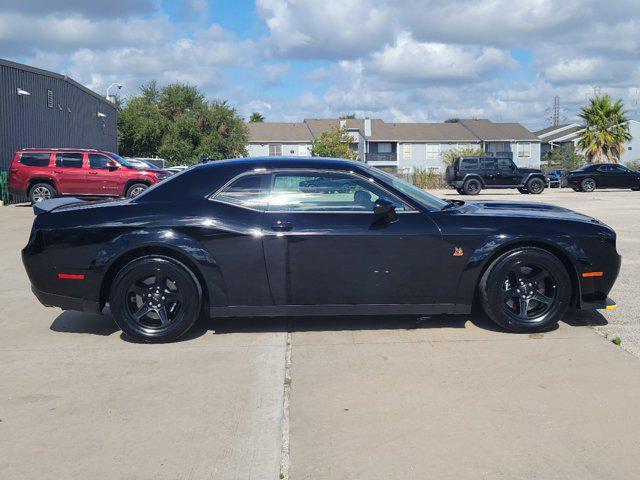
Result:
[
  {"x": 472, "y": 187},
  {"x": 155, "y": 299},
  {"x": 535, "y": 186},
  {"x": 525, "y": 290},
  {"x": 588, "y": 185}
]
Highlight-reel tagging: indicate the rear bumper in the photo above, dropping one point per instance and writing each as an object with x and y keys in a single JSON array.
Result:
[
  {"x": 66, "y": 303},
  {"x": 456, "y": 183}
]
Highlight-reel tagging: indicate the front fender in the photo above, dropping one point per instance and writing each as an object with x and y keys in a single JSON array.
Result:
[
  {"x": 562, "y": 245},
  {"x": 168, "y": 240}
]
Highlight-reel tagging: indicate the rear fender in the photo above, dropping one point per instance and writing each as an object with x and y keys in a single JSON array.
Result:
[{"x": 124, "y": 248}]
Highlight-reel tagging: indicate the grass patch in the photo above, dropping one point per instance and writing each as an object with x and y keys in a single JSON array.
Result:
[
  {"x": 616, "y": 340},
  {"x": 287, "y": 381}
]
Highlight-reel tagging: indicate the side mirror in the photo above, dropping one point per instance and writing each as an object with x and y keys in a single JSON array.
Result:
[
  {"x": 384, "y": 208},
  {"x": 112, "y": 166}
]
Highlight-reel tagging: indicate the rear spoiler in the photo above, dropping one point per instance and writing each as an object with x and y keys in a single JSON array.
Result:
[{"x": 46, "y": 206}]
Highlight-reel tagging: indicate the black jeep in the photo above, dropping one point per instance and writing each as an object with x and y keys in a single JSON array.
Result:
[{"x": 469, "y": 175}]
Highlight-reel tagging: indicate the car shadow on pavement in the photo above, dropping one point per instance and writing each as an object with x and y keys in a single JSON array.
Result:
[{"x": 78, "y": 322}]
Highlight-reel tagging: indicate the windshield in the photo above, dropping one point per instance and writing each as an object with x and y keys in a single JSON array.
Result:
[
  {"x": 584, "y": 167},
  {"x": 121, "y": 160},
  {"x": 420, "y": 196}
]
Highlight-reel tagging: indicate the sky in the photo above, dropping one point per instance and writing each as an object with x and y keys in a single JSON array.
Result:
[{"x": 399, "y": 60}]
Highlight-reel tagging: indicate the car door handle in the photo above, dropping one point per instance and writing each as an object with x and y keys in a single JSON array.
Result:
[
  {"x": 58, "y": 171},
  {"x": 281, "y": 226},
  {"x": 93, "y": 173}
]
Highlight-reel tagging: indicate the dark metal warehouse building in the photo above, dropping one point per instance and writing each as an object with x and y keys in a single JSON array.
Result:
[{"x": 39, "y": 108}]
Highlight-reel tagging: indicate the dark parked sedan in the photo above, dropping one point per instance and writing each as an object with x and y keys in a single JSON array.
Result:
[
  {"x": 603, "y": 175},
  {"x": 247, "y": 237}
]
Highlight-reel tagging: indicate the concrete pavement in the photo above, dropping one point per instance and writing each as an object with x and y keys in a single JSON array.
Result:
[{"x": 371, "y": 397}]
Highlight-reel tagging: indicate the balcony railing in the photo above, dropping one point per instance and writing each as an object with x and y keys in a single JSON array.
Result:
[{"x": 381, "y": 157}]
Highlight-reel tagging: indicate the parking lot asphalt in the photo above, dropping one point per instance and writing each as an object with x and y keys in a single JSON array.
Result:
[{"x": 370, "y": 397}]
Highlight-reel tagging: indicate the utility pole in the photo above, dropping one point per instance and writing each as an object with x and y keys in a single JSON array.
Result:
[{"x": 556, "y": 110}]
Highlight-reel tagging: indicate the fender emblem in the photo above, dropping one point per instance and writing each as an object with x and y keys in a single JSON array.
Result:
[{"x": 458, "y": 252}]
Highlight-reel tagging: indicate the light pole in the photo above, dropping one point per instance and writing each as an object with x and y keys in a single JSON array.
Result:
[{"x": 112, "y": 99}]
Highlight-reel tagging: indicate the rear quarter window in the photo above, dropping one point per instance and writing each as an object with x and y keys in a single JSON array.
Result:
[
  {"x": 35, "y": 159},
  {"x": 469, "y": 164}
]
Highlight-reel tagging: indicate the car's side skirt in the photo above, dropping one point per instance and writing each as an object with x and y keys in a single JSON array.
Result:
[{"x": 320, "y": 310}]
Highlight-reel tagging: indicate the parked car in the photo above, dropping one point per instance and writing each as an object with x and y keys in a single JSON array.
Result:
[
  {"x": 242, "y": 238},
  {"x": 603, "y": 175},
  {"x": 557, "y": 177},
  {"x": 45, "y": 173},
  {"x": 469, "y": 175}
]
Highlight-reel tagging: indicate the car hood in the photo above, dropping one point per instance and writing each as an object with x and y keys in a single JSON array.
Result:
[{"x": 527, "y": 210}]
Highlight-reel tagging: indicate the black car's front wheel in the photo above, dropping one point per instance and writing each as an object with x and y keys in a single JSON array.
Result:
[
  {"x": 155, "y": 299},
  {"x": 525, "y": 290}
]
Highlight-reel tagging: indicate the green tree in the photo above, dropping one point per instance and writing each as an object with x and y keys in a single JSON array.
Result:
[
  {"x": 334, "y": 143},
  {"x": 179, "y": 124},
  {"x": 606, "y": 129},
  {"x": 347, "y": 116},
  {"x": 564, "y": 158},
  {"x": 256, "y": 117},
  {"x": 448, "y": 156}
]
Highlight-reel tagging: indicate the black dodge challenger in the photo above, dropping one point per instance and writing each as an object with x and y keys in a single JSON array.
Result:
[{"x": 266, "y": 236}]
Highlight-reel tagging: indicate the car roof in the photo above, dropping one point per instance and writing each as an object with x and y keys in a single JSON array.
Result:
[
  {"x": 66, "y": 149},
  {"x": 284, "y": 162}
]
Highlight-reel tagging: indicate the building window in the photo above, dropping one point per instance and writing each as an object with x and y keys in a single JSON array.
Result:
[
  {"x": 384, "y": 148},
  {"x": 433, "y": 151},
  {"x": 50, "y": 98},
  {"x": 406, "y": 151},
  {"x": 524, "y": 149},
  {"x": 275, "y": 149}
]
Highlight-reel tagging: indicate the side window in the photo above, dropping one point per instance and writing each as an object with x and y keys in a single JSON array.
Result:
[
  {"x": 604, "y": 168},
  {"x": 35, "y": 159},
  {"x": 275, "y": 149},
  {"x": 618, "y": 169},
  {"x": 245, "y": 192},
  {"x": 505, "y": 164},
  {"x": 325, "y": 192},
  {"x": 99, "y": 161},
  {"x": 469, "y": 164},
  {"x": 488, "y": 163},
  {"x": 69, "y": 160}
]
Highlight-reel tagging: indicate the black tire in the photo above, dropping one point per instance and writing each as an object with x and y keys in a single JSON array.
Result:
[
  {"x": 136, "y": 189},
  {"x": 588, "y": 185},
  {"x": 535, "y": 186},
  {"x": 460, "y": 191},
  {"x": 544, "y": 293},
  {"x": 155, "y": 299},
  {"x": 41, "y": 191},
  {"x": 576, "y": 189},
  {"x": 523, "y": 191},
  {"x": 472, "y": 187}
]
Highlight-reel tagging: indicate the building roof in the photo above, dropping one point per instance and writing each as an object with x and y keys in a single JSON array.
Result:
[
  {"x": 420, "y": 132},
  {"x": 567, "y": 131},
  {"x": 381, "y": 131},
  {"x": 265, "y": 132},
  {"x": 47, "y": 73},
  {"x": 489, "y": 131}
]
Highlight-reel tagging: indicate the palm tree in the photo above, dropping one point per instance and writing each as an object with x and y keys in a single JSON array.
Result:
[
  {"x": 256, "y": 117},
  {"x": 606, "y": 129}
]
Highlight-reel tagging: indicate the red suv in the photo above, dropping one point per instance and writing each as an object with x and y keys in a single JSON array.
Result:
[{"x": 43, "y": 173}]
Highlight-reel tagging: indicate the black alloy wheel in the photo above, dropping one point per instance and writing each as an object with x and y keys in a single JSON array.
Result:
[
  {"x": 525, "y": 290},
  {"x": 472, "y": 187},
  {"x": 535, "y": 186},
  {"x": 588, "y": 185},
  {"x": 155, "y": 299}
]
